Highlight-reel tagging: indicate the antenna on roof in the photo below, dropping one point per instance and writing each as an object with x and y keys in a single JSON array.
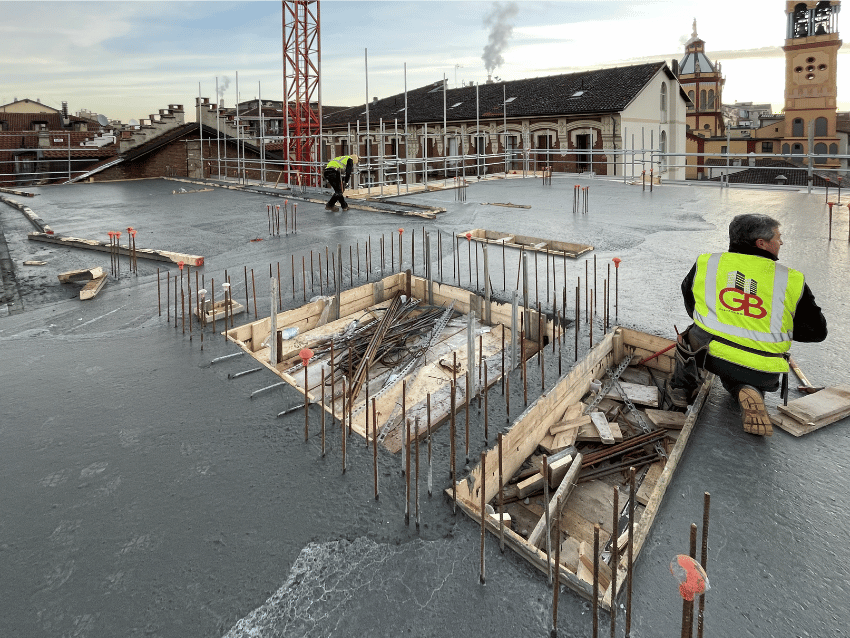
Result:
[{"x": 102, "y": 120}]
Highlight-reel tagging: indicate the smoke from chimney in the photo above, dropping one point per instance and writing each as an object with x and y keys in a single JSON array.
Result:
[
  {"x": 499, "y": 20},
  {"x": 222, "y": 87}
]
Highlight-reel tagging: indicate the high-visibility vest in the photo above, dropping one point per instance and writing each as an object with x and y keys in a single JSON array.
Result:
[
  {"x": 339, "y": 163},
  {"x": 748, "y": 303}
]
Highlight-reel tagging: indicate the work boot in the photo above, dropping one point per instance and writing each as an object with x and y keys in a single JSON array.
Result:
[
  {"x": 754, "y": 415},
  {"x": 683, "y": 383},
  {"x": 345, "y": 209}
]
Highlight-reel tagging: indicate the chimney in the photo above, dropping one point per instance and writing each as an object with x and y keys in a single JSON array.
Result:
[
  {"x": 489, "y": 79},
  {"x": 65, "y": 119},
  {"x": 374, "y": 100},
  {"x": 676, "y": 68}
]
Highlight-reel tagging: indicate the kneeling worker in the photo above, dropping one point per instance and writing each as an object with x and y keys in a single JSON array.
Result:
[
  {"x": 333, "y": 174},
  {"x": 747, "y": 308}
]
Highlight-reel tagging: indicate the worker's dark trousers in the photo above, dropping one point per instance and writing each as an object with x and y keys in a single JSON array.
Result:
[{"x": 333, "y": 178}]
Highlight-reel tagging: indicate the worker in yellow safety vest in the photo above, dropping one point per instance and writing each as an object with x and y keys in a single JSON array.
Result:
[
  {"x": 338, "y": 181},
  {"x": 747, "y": 309}
]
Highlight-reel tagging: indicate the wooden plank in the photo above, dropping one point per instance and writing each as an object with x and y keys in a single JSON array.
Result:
[
  {"x": 105, "y": 247},
  {"x": 590, "y": 433},
  {"x": 830, "y": 403},
  {"x": 667, "y": 419},
  {"x": 77, "y": 276},
  {"x": 531, "y": 485},
  {"x": 93, "y": 287},
  {"x": 649, "y": 482},
  {"x": 585, "y": 556},
  {"x": 562, "y": 426},
  {"x": 637, "y": 393},
  {"x": 601, "y": 424},
  {"x": 794, "y": 427},
  {"x": 557, "y": 500}
]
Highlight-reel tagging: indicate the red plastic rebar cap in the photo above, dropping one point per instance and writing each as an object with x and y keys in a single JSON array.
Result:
[
  {"x": 616, "y": 261},
  {"x": 400, "y": 231},
  {"x": 180, "y": 265},
  {"x": 306, "y": 354},
  {"x": 469, "y": 235}
]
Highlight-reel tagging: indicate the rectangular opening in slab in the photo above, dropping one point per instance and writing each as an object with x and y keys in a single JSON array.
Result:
[
  {"x": 399, "y": 345},
  {"x": 525, "y": 242},
  {"x": 563, "y": 498}
]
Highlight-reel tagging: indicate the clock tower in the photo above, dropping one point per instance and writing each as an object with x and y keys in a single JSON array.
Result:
[{"x": 811, "y": 60}]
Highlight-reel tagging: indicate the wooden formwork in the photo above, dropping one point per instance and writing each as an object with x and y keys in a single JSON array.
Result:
[
  {"x": 431, "y": 378},
  {"x": 578, "y": 506}
]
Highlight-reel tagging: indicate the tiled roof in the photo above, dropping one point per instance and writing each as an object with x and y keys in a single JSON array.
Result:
[
  {"x": 794, "y": 175},
  {"x": 600, "y": 91},
  {"x": 23, "y": 121}
]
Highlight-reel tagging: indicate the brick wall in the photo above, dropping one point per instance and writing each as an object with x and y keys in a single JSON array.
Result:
[{"x": 172, "y": 160}]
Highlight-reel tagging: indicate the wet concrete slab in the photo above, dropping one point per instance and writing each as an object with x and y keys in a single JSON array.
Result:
[{"x": 145, "y": 493}]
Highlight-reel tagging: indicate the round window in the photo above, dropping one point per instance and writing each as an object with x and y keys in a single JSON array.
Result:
[
  {"x": 810, "y": 76},
  {"x": 799, "y": 69},
  {"x": 821, "y": 67},
  {"x": 810, "y": 60},
  {"x": 810, "y": 68}
]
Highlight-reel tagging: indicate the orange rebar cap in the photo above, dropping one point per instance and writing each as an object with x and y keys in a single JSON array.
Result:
[
  {"x": 306, "y": 354},
  {"x": 691, "y": 576},
  {"x": 616, "y": 261}
]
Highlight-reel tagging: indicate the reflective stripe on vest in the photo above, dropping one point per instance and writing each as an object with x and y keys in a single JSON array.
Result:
[
  {"x": 339, "y": 163},
  {"x": 750, "y": 301}
]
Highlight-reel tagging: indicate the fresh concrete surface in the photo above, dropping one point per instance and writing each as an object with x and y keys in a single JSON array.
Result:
[{"x": 145, "y": 494}]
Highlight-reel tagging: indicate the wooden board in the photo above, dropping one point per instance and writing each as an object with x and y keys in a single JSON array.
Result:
[
  {"x": 93, "y": 287},
  {"x": 637, "y": 393},
  {"x": 649, "y": 482},
  {"x": 667, "y": 419},
  {"x": 821, "y": 408},
  {"x": 123, "y": 249},
  {"x": 77, "y": 276},
  {"x": 549, "y": 246}
]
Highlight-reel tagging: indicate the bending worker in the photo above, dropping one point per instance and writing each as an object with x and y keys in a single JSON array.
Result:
[
  {"x": 333, "y": 174},
  {"x": 747, "y": 308}
]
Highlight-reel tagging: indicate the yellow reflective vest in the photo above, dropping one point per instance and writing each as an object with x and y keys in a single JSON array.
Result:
[
  {"x": 748, "y": 303},
  {"x": 339, "y": 163}
]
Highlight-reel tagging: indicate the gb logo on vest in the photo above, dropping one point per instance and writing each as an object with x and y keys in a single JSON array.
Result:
[{"x": 735, "y": 298}]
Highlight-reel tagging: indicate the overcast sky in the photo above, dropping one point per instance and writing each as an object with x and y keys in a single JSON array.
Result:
[{"x": 129, "y": 59}]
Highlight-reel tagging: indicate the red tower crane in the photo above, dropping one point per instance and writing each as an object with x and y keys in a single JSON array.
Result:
[{"x": 302, "y": 98}]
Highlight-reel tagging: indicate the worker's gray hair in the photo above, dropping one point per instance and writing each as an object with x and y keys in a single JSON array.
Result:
[{"x": 746, "y": 229}]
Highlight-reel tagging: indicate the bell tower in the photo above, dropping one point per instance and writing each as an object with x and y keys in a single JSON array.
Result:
[{"x": 811, "y": 61}]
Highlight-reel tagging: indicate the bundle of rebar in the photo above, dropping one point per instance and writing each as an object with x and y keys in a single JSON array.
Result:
[
  {"x": 392, "y": 340},
  {"x": 614, "y": 455}
]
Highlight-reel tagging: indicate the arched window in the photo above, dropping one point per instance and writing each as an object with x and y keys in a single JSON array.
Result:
[
  {"x": 801, "y": 20},
  {"x": 822, "y": 18},
  {"x": 786, "y": 149},
  {"x": 821, "y": 127},
  {"x": 820, "y": 150},
  {"x": 701, "y": 106},
  {"x": 797, "y": 128},
  {"x": 663, "y": 101},
  {"x": 692, "y": 98},
  {"x": 711, "y": 99},
  {"x": 833, "y": 149}
]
